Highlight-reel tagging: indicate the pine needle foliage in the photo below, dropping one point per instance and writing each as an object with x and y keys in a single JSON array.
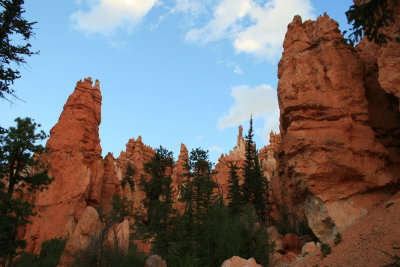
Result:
[
  {"x": 20, "y": 170},
  {"x": 13, "y": 48},
  {"x": 368, "y": 19},
  {"x": 255, "y": 187}
]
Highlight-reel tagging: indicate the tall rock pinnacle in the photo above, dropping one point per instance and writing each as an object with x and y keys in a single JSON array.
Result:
[{"x": 74, "y": 157}]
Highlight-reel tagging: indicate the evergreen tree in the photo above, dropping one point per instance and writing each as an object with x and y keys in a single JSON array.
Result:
[
  {"x": 128, "y": 179},
  {"x": 20, "y": 170},
  {"x": 198, "y": 194},
  {"x": 234, "y": 193},
  {"x": 12, "y": 48},
  {"x": 159, "y": 200},
  {"x": 368, "y": 19},
  {"x": 255, "y": 188}
]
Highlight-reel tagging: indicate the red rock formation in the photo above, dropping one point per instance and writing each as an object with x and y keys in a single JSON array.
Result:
[
  {"x": 119, "y": 234},
  {"x": 268, "y": 155},
  {"x": 178, "y": 177},
  {"x": 333, "y": 167},
  {"x": 236, "y": 261},
  {"x": 179, "y": 169},
  {"x": 136, "y": 154},
  {"x": 386, "y": 57},
  {"x": 291, "y": 242},
  {"x": 75, "y": 162},
  {"x": 235, "y": 157},
  {"x": 87, "y": 230},
  {"x": 110, "y": 184}
]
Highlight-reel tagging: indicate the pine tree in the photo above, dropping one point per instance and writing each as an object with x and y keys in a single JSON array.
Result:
[
  {"x": 13, "y": 49},
  {"x": 368, "y": 19},
  {"x": 128, "y": 179},
  {"x": 20, "y": 170},
  {"x": 159, "y": 200},
  {"x": 198, "y": 193},
  {"x": 254, "y": 187},
  {"x": 234, "y": 193}
]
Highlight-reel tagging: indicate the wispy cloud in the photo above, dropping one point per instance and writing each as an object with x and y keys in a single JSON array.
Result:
[
  {"x": 216, "y": 148},
  {"x": 193, "y": 7},
  {"x": 237, "y": 70},
  {"x": 254, "y": 28},
  {"x": 259, "y": 101},
  {"x": 105, "y": 16}
]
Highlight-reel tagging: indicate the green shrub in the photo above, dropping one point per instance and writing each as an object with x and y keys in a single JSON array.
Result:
[
  {"x": 98, "y": 255},
  {"x": 338, "y": 239},
  {"x": 325, "y": 249},
  {"x": 50, "y": 255},
  {"x": 26, "y": 259}
]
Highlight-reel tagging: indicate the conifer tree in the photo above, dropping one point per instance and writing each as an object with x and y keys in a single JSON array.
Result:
[
  {"x": 13, "y": 48},
  {"x": 234, "y": 193},
  {"x": 367, "y": 19},
  {"x": 20, "y": 170},
  {"x": 128, "y": 179},
  {"x": 159, "y": 199},
  {"x": 254, "y": 188},
  {"x": 198, "y": 194}
]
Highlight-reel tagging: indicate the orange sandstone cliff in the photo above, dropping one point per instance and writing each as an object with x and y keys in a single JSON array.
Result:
[
  {"x": 75, "y": 162},
  {"x": 339, "y": 153}
]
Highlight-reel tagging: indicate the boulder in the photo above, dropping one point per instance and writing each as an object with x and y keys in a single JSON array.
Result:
[
  {"x": 155, "y": 261},
  {"x": 87, "y": 230},
  {"x": 308, "y": 248},
  {"x": 236, "y": 261}
]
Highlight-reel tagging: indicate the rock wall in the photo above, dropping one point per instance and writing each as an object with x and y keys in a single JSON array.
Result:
[
  {"x": 339, "y": 153},
  {"x": 268, "y": 156},
  {"x": 74, "y": 157},
  {"x": 236, "y": 157}
]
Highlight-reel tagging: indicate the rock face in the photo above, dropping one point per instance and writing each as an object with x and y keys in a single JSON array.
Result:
[
  {"x": 336, "y": 158},
  {"x": 268, "y": 156},
  {"x": 136, "y": 154},
  {"x": 235, "y": 157},
  {"x": 119, "y": 234},
  {"x": 236, "y": 261},
  {"x": 75, "y": 162},
  {"x": 87, "y": 229}
]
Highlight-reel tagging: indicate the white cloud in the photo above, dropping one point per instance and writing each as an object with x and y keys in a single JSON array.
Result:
[
  {"x": 253, "y": 28},
  {"x": 105, "y": 16},
  {"x": 193, "y": 7},
  {"x": 237, "y": 70},
  {"x": 216, "y": 148},
  {"x": 259, "y": 101}
]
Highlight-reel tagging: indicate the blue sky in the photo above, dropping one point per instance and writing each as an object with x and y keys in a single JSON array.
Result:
[{"x": 172, "y": 71}]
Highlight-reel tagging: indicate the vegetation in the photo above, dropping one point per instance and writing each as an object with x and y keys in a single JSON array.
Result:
[
  {"x": 110, "y": 256},
  {"x": 13, "y": 49},
  {"x": 128, "y": 179},
  {"x": 50, "y": 255},
  {"x": 234, "y": 193},
  {"x": 325, "y": 250},
  {"x": 102, "y": 253},
  {"x": 255, "y": 186},
  {"x": 368, "y": 19},
  {"x": 338, "y": 239},
  {"x": 158, "y": 202},
  {"x": 207, "y": 232},
  {"x": 20, "y": 171}
]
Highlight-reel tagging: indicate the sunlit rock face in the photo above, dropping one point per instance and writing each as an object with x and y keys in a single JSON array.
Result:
[
  {"x": 268, "y": 156},
  {"x": 74, "y": 158},
  {"x": 236, "y": 157},
  {"x": 336, "y": 158}
]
